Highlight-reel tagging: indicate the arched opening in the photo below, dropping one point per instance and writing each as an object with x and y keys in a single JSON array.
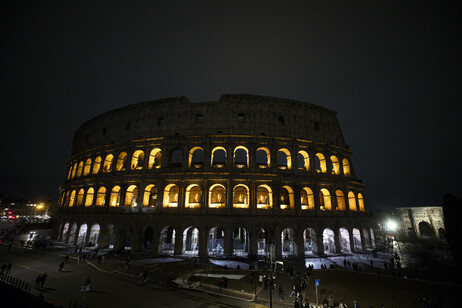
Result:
[
  {"x": 217, "y": 196},
  {"x": 79, "y": 169},
  {"x": 361, "y": 202},
  {"x": 74, "y": 170},
  {"x": 241, "y": 196},
  {"x": 150, "y": 196},
  {"x": 126, "y": 237},
  {"x": 171, "y": 193},
  {"x": 69, "y": 174},
  {"x": 101, "y": 196},
  {"x": 147, "y": 239},
  {"x": 72, "y": 233},
  {"x": 346, "y": 167},
  {"x": 191, "y": 241},
  {"x": 72, "y": 199},
  {"x": 310, "y": 242},
  {"x": 286, "y": 198},
  {"x": 366, "y": 238},
  {"x": 167, "y": 241},
  {"x": 216, "y": 242},
  {"x": 137, "y": 160},
  {"x": 107, "y": 166},
  {"x": 87, "y": 167},
  {"x": 341, "y": 206},
  {"x": 65, "y": 230},
  {"x": 155, "y": 159},
  {"x": 82, "y": 235},
  {"x": 303, "y": 160},
  {"x": 176, "y": 158},
  {"x": 352, "y": 201},
  {"x": 289, "y": 245},
  {"x": 94, "y": 234},
  {"x": 335, "y": 165},
  {"x": 306, "y": 199},
  {"x": 325, "y": 200},
  {"x": 328, "y": 239},
  {"x": 218, "y": 157},
  {"x": 196, "y": 157},
  {"x": 121, "y": 162},
  {"x": 131, "y": 196},
  {"x": 426, "y": 229},
  {"x": 262, "y": 240},
  {"x": 80, "y": 197},
  {"x": 193, "y": 196},
  {"x": 240, "y": 242},
  {"x": 320, "y": 163},
  {"x": 89, "y": 197},
  {"x": 241, "y": 157},
  {"x": 357, "y": 240},
  {"x": 344, "y": 240},
  {"x": 263, "y": 158},
  {"x": 284, "y": 159},
  {"x": 115, "y": 196},
  {"x": 264, "y": 197},
  {"x": 96, "y": 165}
]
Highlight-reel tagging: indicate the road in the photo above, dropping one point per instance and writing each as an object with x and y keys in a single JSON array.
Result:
[{"x": 108, "y": 289}]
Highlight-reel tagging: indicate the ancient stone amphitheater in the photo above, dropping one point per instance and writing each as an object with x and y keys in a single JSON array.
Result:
[{"x": 245, "y": 175}]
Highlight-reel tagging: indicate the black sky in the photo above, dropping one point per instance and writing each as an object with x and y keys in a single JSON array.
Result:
[{"x": 392, "y": 71}]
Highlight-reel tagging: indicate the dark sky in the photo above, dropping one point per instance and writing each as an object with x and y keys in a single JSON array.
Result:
[{"x": 392, "y": 71}]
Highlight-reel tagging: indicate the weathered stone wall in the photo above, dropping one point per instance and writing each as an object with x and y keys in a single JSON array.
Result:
[{"x": 412, "y": 217}]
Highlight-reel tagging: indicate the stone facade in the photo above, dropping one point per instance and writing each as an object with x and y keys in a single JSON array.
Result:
[
  {"x": 246, "y": 175},
  {"x": 422, "y": 222}
]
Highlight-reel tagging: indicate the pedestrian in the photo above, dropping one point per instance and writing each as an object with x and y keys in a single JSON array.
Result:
[
  {"x": 281, "y": 293},
  {"x": 344, "y": 263},
  {"x": 37, "y": 281},
  {"x": 43, "y": 279},
  {"x": 349, "y": 264},
  {"x": 3, "y": 268},
  {"x": 78, "y": 259},
  {"x": 292, "y": 294},
  {"x": 307, "y": 303},
  {"x": 355, "y": 304},
  {"x": 372, "y": 264},
  {"x": 61, "y": 266},
  {"x": 8, "y": 268},
  {"x": 143, "y": 276},
  {"x": 330, "y": 301},
  {"x": 66, "y": 259},
  {"x": 260, "y": 280}
]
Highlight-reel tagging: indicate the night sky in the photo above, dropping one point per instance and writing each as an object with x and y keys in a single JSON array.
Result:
[{"x": 391, "y": 70}]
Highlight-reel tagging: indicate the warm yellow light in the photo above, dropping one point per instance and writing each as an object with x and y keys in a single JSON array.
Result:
[{"x": 40, "y": 206}]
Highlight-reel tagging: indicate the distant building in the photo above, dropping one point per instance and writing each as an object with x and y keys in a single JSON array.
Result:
[{"x": 422, "y": 222}]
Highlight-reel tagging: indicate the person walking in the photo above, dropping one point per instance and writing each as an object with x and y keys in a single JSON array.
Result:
[
  {"x": 307, "y": 303},
  {"x": 281, "y": 293},
  {"x": 43, "y": 279},
  {"x": 355, "y": 304},
  {"x": 61, "y": 266},
  {"x": 66, "y": 259},
  {"x": 330, "y": 301},
  {"x": 37, "y": 281}
]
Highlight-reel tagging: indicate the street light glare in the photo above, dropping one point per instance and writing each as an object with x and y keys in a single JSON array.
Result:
[{"x": 392, "y": 225}]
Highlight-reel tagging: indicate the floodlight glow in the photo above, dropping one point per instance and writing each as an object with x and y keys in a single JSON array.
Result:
[{"x": 392, "y": 225}]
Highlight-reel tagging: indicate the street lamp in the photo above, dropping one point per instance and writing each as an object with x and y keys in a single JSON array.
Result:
[{"x": 392, "y": 225}]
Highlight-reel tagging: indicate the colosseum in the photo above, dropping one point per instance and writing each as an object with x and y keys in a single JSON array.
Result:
[{"x": 245, "y": 176}]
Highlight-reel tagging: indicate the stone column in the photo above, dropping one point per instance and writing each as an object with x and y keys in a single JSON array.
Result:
[
  {"x": 352, "y": 242},
  {"x": 277, "y": 243},
  {"x": 253, "y": 247},
  {"x": 300, "y": 244},
  {"x": 178, "y": 249},
  {"x": 203, "y": 241},
  {"x": 228, "y": 241},
  {"x": 320, "y": 243},
  {"x": 337, "y": 240}
]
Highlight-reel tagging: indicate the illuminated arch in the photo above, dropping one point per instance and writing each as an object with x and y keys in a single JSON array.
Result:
[
  {"x": 193, "y": 196},
  {"x": 217, "y": 196},
  {"x": 155, "y": 158},
  {"x": 284, "y": 159},
  {"x": 328, "y": 239},
  {"x": 89, "y": 197},
  {"x": 87, "y": 167},
  {"x": 69, "y": 174},
  {"x": 341, "y": 206},
  {"x": 303, "y": 160},
  {"x": 307, "y": 199},
  {"x": 150, "y": 196},
  {"x": 137, "y": 160},
  {"x": 121, "y": 161},
  {"x": 288, "y": 242},
  {"x": 241, "y": 196},
  {"x": 107, "y": 167},
  {"x": 80, "y": 197},
  {"x": 335, "y": 165},
  {"x": 320, "y": 161},
  {"x": 361, "y": 202},
  {"x": 79, "y": 169},
  {"x": 310, "y": 241},
  {"x": 171, "y": 194},
  {"x": 72, "y": 199},
  {"x": 96, "y": 165},
  {"x": 101, "y": 196},
  {"x": 344, "y": 240},
  {"x": 219, "y": 157},
  {"x": 264, "y": 197},
  {"x": 196, "y": 157},
  {"x": 346, "y": 167},
  {"x": 131, "y": 196},
  {"x": 115, "y": 197},
  {"x": 241, "y": 157},
  {"x": 325, "y": 200},
  {"x": 74, "y": 170},
  {"x": 286, "y": 198},
  {"x": 191, "y": 241},
  {"x": 263, "y": 158},
  {"x": 352, "y": 201}
]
